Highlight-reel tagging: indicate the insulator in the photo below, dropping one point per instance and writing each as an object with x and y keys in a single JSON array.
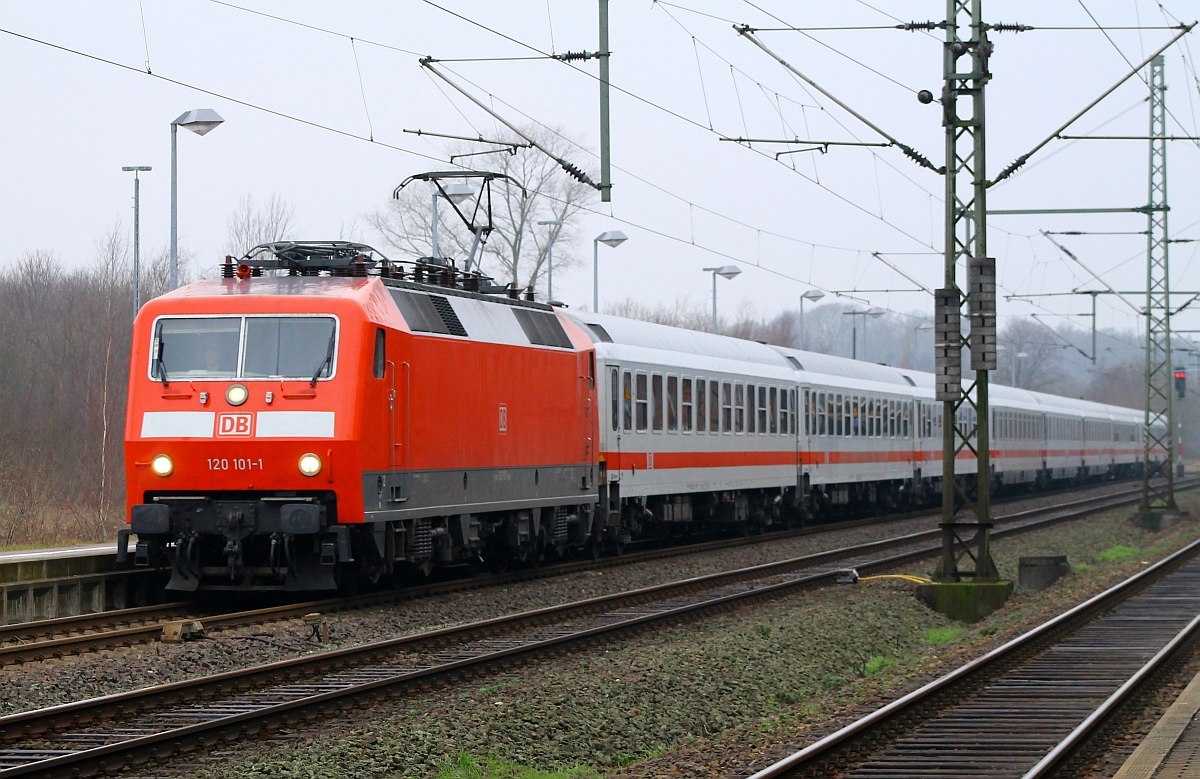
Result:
[
  {"x": 911, "y": 26},
  {"x": 577, "y": 174},
  {"x": 572, "y": 56},
  {"x": 1002, "y": 27}
]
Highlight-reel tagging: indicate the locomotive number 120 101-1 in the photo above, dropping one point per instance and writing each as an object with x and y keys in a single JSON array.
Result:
[{"x": 234, "y": 464}]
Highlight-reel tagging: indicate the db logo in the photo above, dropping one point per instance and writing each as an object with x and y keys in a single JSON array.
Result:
[
  {"x": 233, "y": 424},
  {"x": 503, "y": 419}
]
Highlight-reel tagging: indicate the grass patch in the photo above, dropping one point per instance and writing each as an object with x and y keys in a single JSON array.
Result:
[
  {"x": 1081, "y": 567},
  {"x": 489, "y": 689},
  {"x": 939, "y": 636},
  {"x": 763, "y": 630},
  {"x": 467, "y": 766},
  {"x": 878, "y": 663},
  {"x": 1117, "y": 552}
]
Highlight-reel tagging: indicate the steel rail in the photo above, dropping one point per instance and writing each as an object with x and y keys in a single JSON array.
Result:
[
  {"x": 476, "y": 646},
  {"x": 1070, "y": 745},
  {"x": 82, "y": 634},
  {"x": 830, "y": 749}
]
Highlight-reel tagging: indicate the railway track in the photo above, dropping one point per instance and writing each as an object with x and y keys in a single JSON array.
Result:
[
  {"x": 161, "y": 724},
  {"x": 1029, "y": 708},
  {"x": 77, "y": 635}
]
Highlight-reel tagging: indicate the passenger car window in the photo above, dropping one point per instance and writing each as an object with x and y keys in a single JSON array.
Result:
[
  {"x": 686, "y": 404},
  {"x": 643, "y": 401},
  {"x": 672, "y": 403},
  {"x": 739, "y": 408},
  {"x": 627, "y": 393},
  {"x": 656, "y": 393},
  {"x": 615, "y": 392},
  {"x": 714, "y": 406}
]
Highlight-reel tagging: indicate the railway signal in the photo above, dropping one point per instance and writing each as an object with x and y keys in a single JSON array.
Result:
[{"x": 1181, "y": 383}]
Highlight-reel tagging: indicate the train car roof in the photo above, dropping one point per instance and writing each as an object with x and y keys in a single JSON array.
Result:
[
  {"x": 649, "y": 335},
  {"x": 286, "y": 286}
]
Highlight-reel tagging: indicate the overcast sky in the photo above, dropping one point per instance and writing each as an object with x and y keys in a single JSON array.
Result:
[{"x": 686, "y": 199}]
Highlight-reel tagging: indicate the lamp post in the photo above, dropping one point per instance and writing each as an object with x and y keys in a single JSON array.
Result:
[
  {"x": 137, "y": 242},
  {"x": 456, "y": 192},
  {"x": 552, "y": 223},
  {"x": 201, "y": 121},
  {"x": 725, "y": 272},
  {"x": 613, "y": 238},
  {"x": 812, "y": 295},
  {"x": 874, "y": 313}
]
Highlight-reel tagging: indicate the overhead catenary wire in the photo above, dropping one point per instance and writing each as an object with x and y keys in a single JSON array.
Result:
[
  {"x": 912, "y": 153},
  {"x": 1117, "y": 48},
  {"x": 836, "y": 51},
  {"x": 676, "y": 114},
  {"x": 220, "y": 95},
  {"x": 355, "y": 136},
  {"x": 1019, "y": 161}
]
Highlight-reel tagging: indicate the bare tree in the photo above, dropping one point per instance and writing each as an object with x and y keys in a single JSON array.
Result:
[
  {"x": 251, "y": 225},
  {"x": 516, "y": 249},
  {"x": 1030, "y": 359}
]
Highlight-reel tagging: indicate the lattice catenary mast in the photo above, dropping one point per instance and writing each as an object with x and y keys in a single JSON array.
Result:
[
  {"x": 965, "y": 416},
  {"x": 1159, "y": 432}
]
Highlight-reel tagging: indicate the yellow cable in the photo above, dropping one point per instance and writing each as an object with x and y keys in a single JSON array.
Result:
[{"x": 904, "y": 576}]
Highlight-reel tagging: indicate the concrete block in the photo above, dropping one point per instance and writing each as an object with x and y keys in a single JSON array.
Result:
[
  {"x": 1035, "y": 574},
  {"x": 965, "y": 601}
]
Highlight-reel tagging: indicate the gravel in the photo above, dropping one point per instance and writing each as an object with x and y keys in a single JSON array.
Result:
[
  {"x": 23, "y": 688},
  {"x": 720, "y": 697}
]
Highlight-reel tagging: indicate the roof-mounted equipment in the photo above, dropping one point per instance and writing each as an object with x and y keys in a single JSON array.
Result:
[{"x": 306, "y": 258}]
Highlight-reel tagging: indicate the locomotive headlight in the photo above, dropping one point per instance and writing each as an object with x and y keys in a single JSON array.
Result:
[
  {"x": 236, "y": 394},
  {"x": 162, "y": 465},
  {"x": 310, "y": 464}
]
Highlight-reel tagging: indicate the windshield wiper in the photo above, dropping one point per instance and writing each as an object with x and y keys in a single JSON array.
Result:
[
  {"x": 162, "y": 367},
  {"x": 328, "y": 358}
]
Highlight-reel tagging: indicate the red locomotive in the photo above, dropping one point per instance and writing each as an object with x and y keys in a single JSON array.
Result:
[
  {"x": 321, "y": 416},
  {"x": 286, "y": 430}
]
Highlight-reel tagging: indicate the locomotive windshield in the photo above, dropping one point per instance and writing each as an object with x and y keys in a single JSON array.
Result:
[{"x": 292, "y": 347}]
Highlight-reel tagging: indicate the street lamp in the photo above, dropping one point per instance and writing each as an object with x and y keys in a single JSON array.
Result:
[
  {"x": 137, "y": 282},
  {"x": 550, "y": 256},
  {"x": 874, "y": 313},
  {"x": 812, "y": 295},
  {"x": 725, "y": 272},
  {"x": 456, "y": 192},
  {"x": 613, "y": 238},
  {"x": 201, "y": 121}
]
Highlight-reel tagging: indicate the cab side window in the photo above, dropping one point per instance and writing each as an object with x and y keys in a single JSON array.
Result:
[{"x": 380, "y": 365}]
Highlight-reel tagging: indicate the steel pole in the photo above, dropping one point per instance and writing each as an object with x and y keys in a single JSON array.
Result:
[
  {"x": 605, "y": 177},
  {"x": 1093, "y": 329},
  {"x": 853, "y": 338},
  {"x": 803, "y": 340},
  {"x": 714, "y": 320},
  {"x": 595, "y": 275},
  {"x": 174, "y": 272},
  {"x": 434, "y": 223},
  {"x": 137, "y": 288}
]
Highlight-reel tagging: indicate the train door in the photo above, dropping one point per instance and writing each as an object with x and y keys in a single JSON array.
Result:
[
  {"x": 400, "y": 425},
  {"x": 806, "y": 423},
  {"x": 619, "y": 408}
]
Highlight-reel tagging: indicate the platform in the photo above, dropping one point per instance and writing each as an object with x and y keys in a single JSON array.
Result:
[
  {"x": 1172, "y": 749},
  {"x": 47, "y": 583}
]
